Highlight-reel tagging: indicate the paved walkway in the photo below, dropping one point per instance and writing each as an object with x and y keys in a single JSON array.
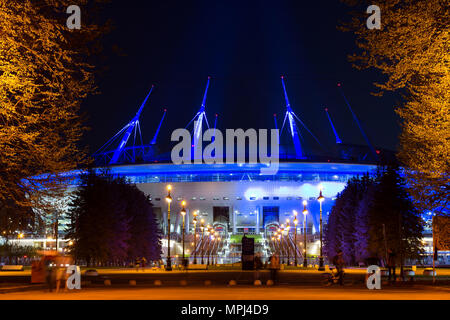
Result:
[{"x": 240, "y": 293}]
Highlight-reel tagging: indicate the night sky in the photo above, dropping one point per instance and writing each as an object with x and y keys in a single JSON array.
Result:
[{"x": 245, "y": 46}]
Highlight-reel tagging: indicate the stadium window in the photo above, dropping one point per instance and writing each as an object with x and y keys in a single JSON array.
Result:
[
  {"x": 238, "y": 198},
  {"x": 216, "y": 198},
  {"x": 276, "y": 198},
  {"x": 226, "y": 198},
  {"x": 202, "y": 198},
  {"x": 312, "y": 198},
  {"x": 266, "y": 198},
  {"x": 299, "y": 198},
  {"x": 289, "y": 198},
  {"x": 194, "y": 198},
  {"x": 252, "y": 198},
  {"x": 157, "y": 199},
  {"x": 179, "y": 198}
]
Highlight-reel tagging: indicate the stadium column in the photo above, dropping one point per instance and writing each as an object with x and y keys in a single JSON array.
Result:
[{"x": 234, "y": 221}]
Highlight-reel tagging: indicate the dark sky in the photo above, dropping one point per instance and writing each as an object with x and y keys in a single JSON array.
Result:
[{"x": 244, "y": 46}]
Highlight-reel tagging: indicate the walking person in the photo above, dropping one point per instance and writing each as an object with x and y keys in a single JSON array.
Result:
[
  {"x": 50, "y": 273},
  {"x": 391, "y": 265},
  {"x": 258, "y": 265},
  {"x": 137, "y": 263},
  {"x": 143, "y": 263},
  {"x": 274, "y": 266},
  {"x": 338, "y": 262}
]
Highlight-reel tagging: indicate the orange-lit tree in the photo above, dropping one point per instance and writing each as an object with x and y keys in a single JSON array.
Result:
[
  {"x": 44, "y": 76},
  {"x": 412, "y": 49}
]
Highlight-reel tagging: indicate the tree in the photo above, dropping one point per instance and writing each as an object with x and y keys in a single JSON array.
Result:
[
  {"x": 364, "y": 210},
  {"x": 44, "y": 76},
  {"x": 112, "y": 221},
  {"x": 412, "y": 51},
  {"x": 342, "y": 231},
  {"x": 361, "y": 222},
  {"x": 392, "y": 207}
]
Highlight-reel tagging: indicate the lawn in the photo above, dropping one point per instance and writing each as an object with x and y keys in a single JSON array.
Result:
[{"x": 235, "y": 238}]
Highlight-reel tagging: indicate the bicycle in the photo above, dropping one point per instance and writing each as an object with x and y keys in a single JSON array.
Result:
[{"x": 331, "y": 278}]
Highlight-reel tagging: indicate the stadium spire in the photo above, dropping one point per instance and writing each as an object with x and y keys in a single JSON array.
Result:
[
  {"x": 295, "y": 133},
  {"x": 159, "y": 128},
  {"x": 132, "y": 125},
  {"x": 372, "y": 149},
  {"x": 198, "y": 119},
  {"x": 338, "y": 140}
]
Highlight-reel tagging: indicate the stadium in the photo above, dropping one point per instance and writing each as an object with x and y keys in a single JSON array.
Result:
[{"x": 225, "y": 201}]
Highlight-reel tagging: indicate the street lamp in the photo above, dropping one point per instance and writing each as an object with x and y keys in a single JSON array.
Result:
[
  {"x": 213, "y": 240},
  {"x": 169, "y": 200},
  {"x": 195, "y": 237},
  {"x": 183, "y": 213},
  {"x": 305, "y": 213},
  {"x": 288, "y": 244},
  {"x": 202, "y": 228},
  {"x": 295, "y": 237},
  {"x": 208, "y": 251},
  {"x": 321, "y": 198},
  {"x": 281, "y": 242},
  {"x": 216, "y": 246},
  {"x": 277, "y": 237},
  {"x": 219, "y": 239}
]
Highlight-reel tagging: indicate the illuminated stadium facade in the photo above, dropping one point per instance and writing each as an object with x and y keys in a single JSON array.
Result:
[{"x": 236, "y": 199}]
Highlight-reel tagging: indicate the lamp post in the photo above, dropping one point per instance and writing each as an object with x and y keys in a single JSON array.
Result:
[
  {"x": 305, "y": 213},
  {"x": 216, "y": 246},
  {"x": 219, "y": 239},
  {"x": 295, "y": 237},
  {"x": 183, "y": 213},
  {"x": 195, "y": 238},
  {"x": 211, "y": 253},
  {"x": 321, "y": 198},
  {"x": 281, "y": 243},
  {"x": 288, "y": 246},
  {"x": 202, "y": 227},
  {"x": 169, "y": 200},
  {"x": 208, "y": 251},
  {"x": 277, "y": 242}
]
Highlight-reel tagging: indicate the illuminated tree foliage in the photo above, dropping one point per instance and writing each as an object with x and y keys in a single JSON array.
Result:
[
  {"x": 412, "y": 50},
  {"x": 44, "y": 76}
]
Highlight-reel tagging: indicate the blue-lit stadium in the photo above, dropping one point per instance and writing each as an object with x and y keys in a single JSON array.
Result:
[{"x": 235, "y": 199}]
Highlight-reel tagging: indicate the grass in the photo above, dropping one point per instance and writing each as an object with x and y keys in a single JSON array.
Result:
[{"x": 236, "y": 238}]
